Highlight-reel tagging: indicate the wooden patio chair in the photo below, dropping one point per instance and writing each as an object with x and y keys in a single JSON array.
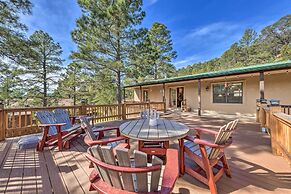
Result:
[
  {"x": 209, "y": 157},
  {"x": 56, "y": 129},
  {"x": 96, "y": 136},
  {"x": 131, "y": 176}
]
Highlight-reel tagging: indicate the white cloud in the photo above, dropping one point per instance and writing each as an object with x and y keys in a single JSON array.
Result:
[
  {"x": 187, "y": 61},
  {"x": 214, "y": 29},
  {"x": 151, "y": 2}
]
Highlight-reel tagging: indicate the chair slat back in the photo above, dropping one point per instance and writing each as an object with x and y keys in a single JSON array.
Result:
[
  {"x": 222, "y": 137},
  {"x": 149, "y": 113},
  {"x": 97, "y": 153},
  {"x": 46, "y": 117},
  {"x": 88, "y": 128},
  {"x": 155, "y": 174},
  {"x": 62, "y": 116},
  {"x": 109, "y": 158},
  {"x": 124, "y": 160},
  {"x": 126, "y": 181},
  {"x": 140, "y": 160}
]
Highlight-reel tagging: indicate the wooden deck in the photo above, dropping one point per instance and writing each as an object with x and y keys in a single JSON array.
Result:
[{"x": 254, "y": 168}]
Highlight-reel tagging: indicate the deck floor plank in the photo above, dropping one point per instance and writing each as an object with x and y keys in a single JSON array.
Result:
[
  {"x": 56, "y": 179},
  {"x": 29, "y": 180},
  {"x": 6, "y": 157},
  {"x": 65, "y": 170},
  {"x": 14, "y": 184},
  {"x": 76, "y": 170},
  {"x": 254, "y": 168},
  {"x": 44, "y": 184}
]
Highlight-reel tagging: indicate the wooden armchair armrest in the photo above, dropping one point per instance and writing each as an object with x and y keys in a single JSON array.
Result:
[
  {"x": 190, "y": 138},
  {"x": 101, "y": 130},
  {"x": 212, "y": 145},
  {"x": 105, "y": 129},
  {"x": 103, "y": 141},
  {"x": 206, "y": 131},
  {"x": 171, "y": 171},
  {"x": 51, "y": 124}
]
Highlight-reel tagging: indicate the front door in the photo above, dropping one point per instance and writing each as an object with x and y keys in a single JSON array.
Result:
[
  {"x": 176, "y": 97},
  {"x": 180, "y": 96},
  {"x": 173, "y": 97}
]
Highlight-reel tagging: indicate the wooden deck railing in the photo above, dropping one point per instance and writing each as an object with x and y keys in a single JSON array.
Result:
[
  {"x": 286, "y": 109},
  {"x": 278, "y": 123},
  {"x": 22, "y": 121}
]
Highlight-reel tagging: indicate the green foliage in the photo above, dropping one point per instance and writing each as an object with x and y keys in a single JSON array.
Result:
[
  {"x": 155, "y": 53},
  {"x": 79, "y": 83},
  {"x": 44, "y": 66},
  {"x": 105, "y": 35},
  {"x": 272, "y": 44},
  {"x": 13, "y": 48}
]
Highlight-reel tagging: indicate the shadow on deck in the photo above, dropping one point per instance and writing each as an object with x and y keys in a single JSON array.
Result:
[{"x": 254, "y": 168}]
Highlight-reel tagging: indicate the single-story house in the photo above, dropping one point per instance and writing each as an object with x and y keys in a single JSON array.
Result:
[{"x": 232, "y": 91}]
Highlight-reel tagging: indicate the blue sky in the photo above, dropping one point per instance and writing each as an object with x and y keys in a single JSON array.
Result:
[{"x": 200, "y": 29}]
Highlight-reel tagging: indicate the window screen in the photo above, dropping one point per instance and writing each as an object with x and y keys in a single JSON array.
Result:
[{"x": 231, "y": 92}]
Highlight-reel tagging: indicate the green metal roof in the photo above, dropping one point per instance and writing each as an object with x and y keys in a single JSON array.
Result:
[{"x": 234, "y": 71}]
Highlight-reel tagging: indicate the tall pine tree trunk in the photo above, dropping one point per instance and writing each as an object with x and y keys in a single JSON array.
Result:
[
  {"x": 156, "y": 72},
  {"x": 44, "y": 100},
  {"x": 119, "y": 89}
]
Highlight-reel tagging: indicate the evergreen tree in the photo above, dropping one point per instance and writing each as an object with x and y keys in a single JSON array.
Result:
[
  {"x": 44, "y": 67},
  {"x": 71, "y": 83},
  {"x": 13, "y": 47},
  {"x": 272, "y": 44},
  {"x": 161, "y": 51},
  {"x": 105, "y": 35}
]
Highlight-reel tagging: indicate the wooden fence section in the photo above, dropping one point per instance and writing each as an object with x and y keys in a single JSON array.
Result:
[
  {"x": 278, "y": 124},
  {"x": 286, "y": 109},
  {"x": 22, "y": 121}
]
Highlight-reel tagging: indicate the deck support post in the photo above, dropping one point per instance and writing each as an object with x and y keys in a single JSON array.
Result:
[
  {"x": 164, "y": 96},
  {"x": 140, "y": 94},
  {"x": 262, "y": 85},
  {"x": 123, "y": 94},
  {"x": 199, "y": 97},
  {"x": 2, "y": 122}
]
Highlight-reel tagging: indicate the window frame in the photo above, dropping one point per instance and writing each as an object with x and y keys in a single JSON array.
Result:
[{"x": 228, "y": 83}]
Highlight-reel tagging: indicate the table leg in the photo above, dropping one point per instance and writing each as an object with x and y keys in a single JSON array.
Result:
[{"x": 182, "y": 162}]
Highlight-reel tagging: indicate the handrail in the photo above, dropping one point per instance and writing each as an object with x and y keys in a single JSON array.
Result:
[
  {"x": 22, "y": 121},
  {"x": 277, "y": 120}
]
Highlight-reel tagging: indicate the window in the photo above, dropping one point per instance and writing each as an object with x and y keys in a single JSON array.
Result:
[
  {"x": 145, "y": 95},
  {"x": 228, "y": 93}
]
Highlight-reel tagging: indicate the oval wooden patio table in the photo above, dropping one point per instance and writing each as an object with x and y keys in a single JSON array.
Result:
[{"x": 154, "y": 139}]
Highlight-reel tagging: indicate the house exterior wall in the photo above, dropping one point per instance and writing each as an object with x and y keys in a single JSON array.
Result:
[{"x": 277, "y": 86}]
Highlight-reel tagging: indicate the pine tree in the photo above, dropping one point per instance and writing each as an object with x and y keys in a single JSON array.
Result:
[
  {"x": 161, "y": 51},
  {"x": 44, "y": 67},
  {"x": 13, "y": 47},
  {"x": 105, "y": 35}
]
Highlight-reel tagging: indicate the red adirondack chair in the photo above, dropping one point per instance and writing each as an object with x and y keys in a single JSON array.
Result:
[
  {"x": 57, "y": 129},
  {"x": 208, "y": 155},
  {"x": 95, "y": 136},
  {"x": 124, "y": 176}
]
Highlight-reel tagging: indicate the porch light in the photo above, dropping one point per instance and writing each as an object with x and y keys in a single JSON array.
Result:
[{"x": 207, "y": 88}]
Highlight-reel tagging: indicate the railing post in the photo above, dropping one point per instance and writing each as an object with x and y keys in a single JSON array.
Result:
[
  {"x": 83, "y": 108},
  {"x": 123, "y": 111},
  {"x": 258, "y": 106},
  {"x": 274, "y": 129},
  {"x": 2, "y": 122},
  {"x": 262, "y": 115},
  {"x": 165, "y": 108}
]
